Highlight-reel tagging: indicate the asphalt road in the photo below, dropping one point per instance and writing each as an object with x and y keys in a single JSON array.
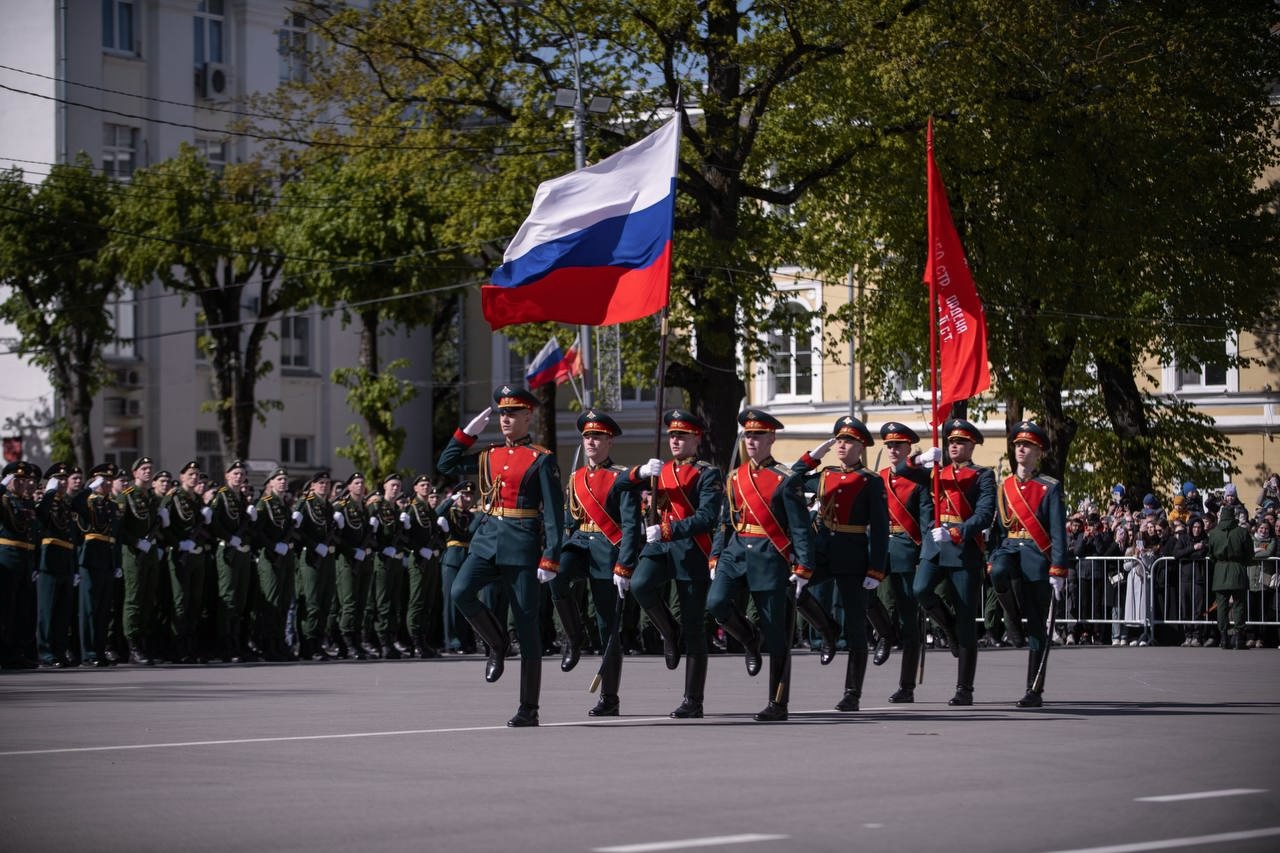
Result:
[{"x": 1136, "y": 749}]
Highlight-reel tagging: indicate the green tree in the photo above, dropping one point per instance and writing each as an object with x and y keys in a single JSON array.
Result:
[{"x": 60, "y": 279}]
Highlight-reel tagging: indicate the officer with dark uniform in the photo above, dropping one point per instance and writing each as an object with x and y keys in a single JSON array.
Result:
[
  {"x": 456, "y": 520},
  {"x": 138, "y": 525},
  {"x": 763, "y": 542},
  {"x": 273, "y": 532},
  {"x": 96, "y": 518},
  {"x": 425, "y": 544},
  {"x": 390, "y": 527},
  {"x": 316, "y": 571},
  {"x": 232, "y": 526},
  {"x": 954, "y": 550},
  {"x": 910, "y": 510},
  {"x": 687, "y": 494},
  {"x": 355, "y": 565},
  {"x": 1030, "y": 563},
  {"x": 181, "y": 535},
  {"x": 604, "y": 536},
  {"x": 521, "y": 495},
  {"x": 849, "y": 540},
  {"x": 55, "y": 568}
]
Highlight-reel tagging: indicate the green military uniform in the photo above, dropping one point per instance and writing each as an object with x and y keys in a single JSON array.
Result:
[
  {"x": 231, "y": 526},
  {"x": 56, "y": 569},
  {"x": 316, "y": 570},
  {"x": 457, "y": 528},
  {"x": 390, "y": 538},
  {"x": 140, "y": 559},
  {"x": 182, "y": 537},
  {"x": 354, "y": 568},
  {"x": 1230, "y": 549},
  {"x": 424, "y": 545},
  {"x": 273, "y": 532},
  {"x": 18, "y": 532},
  {"x": 96, "y": 516}
]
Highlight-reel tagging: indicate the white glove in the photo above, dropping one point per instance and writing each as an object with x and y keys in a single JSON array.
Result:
[
  {"x": 206, "y": 512},
  {"x": 870, "y": 583},
  {"x": 35, "y": 575},
  {"x": 425, "y": 553},
  {"x": 1115, "y": 579},
  {"x": 821, "y": 450},
  {"x": 164, "y": 516},
  {"x": 389, "y": 551},
  {"x": 800, "y": 583},
  {"x": 52, "y": 485},
  {"x": 252, "y": 512},
  {"x": 623, "y": 584},
  {"x": 478, "y": 423},
  {"x": 75, "y": 579},
  {"x": 360, "y": 553},
  {"x": 929, "y": 458},
  {"x": 653, "y": 533},
  {"x": 404, "y": 519},
  {"x": 119, "y": 573},
  {"x": 321, "y": 549},
  {"x": 939, "y": 535},
  {"x": 234, "y": 541},
  {"x": 297, "y": 517},
  {"x": 282, "y": 548},
  {"x": 443, "y": 523},
  {"x": 712, "y": 572},
  {"x": 545, "y": 575},
  {"x": 1059, "y": 585},
  {"x": 340, "y": 519},
  {"x": 652, "y": 468},
  {"x": 95, "y": 484},
  {"x": 8, "y": 478},
  {"x": 374, "y": 522},
  {"x": 144, "y": 545},
  {"x": 186, "y": 546}
]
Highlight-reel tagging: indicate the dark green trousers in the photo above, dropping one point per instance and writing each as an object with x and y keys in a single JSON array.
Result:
[
  {"x": 141, "y": 573},
  {"x": 353, "y": 579},
  {"x": 316, "y": 581}
]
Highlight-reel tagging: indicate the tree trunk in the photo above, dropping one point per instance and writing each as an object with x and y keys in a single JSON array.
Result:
[
  {"x": 1060, "y": 426},
  {"x": 544, "y": 417},
  {"x": 1123, "y": 402}
]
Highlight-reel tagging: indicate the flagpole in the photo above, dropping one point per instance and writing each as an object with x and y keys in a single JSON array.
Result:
[{"x": 933, "y": 324}]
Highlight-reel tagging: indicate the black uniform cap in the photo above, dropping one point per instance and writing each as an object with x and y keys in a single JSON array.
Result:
[
  {"x": 854, "y": 428},
  {"x": 592, "y": 421},
  {"x": 193, "y": 464},
  {"x": 1029, "y": 432},
  {"x": 140, "y": 461},
  {"x": 960, "y": 428},
  {"x": 894, "y": 431},
  {"x": 756, "y": 420},
  {"x": 682, "y": 420},
  {"x": 509, "y": 397}
]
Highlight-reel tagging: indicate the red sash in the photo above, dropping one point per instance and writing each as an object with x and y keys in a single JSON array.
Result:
[
  {"x": 593, "y": 509},
  {"x": 955, "y": 497},
  {"x": 1017, "y": 504},
  {"x": 759, "y": 507},
  {"x": 679, "y": 505},
  {"x": 898, "y": 512},
  {"x": 839, "y": 496}
]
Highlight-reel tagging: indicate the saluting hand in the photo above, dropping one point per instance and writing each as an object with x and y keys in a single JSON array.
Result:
[
  {"x": 478, "y": 423},
  {"x": 821, "y": 450}
]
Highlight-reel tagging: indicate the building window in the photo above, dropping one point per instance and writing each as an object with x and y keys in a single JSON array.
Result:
[
  {"x": 123, "y": 313},
  {"x": 1215, "y": 374},
  {"x": 209, "y": 451},
  {"x": 209, "y": 23},
  {"x": 291, "y": 45},
  {"x": 214, "y": 151},
  {"x": 295, "y": 343},
  {"x": 119, "y": 151},
  {"x": 121, "y": 446},
  {"x": 790, "y": 369},
  {"x": 117, "y": 25},
  {"x": 295, "y": 450}
]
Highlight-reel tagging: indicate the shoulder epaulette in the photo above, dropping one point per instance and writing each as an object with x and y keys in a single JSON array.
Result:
[
  {"x": 702, "y": 463},
  {"x": 129, "y": 489},
  {"x": 539, "y": 448},
  {"x": 1050, "y": 480}
]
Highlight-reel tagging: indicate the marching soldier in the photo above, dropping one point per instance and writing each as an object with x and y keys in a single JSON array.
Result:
[
  {"x": 910, "y": 509},
  {"x": 519, "y": 487},
  {"x": 96, "y": 517},
  {"x": 425, "y": 546},
  {"x": 183, "y": 515},
  {"x": 687, "y": 495},
  {"x": 455, "y": 520},
  {"x": 273, "y": 530},
  {"x": 231, "y": 525},
  {"x": 965, "y": 509},
  {"x": 603, "y": 545},
  {"x": 138, "y": 524},
  {"x": 17, "y": 560},
  {"x": 55, "y": 568},
  {"x": 849, "y": 541},
  {"x": 316, "y": 573},
  {"x": 390, "y": 527},
  {"x": 1031, "y": 559},
  {"x": 355, "y": 565},
  {"x": 762, "y": 543}
]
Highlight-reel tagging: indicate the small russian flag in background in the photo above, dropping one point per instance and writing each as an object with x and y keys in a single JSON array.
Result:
[
  {"x": 552, "y": 365},
  {"x": 596, "y": 247}
]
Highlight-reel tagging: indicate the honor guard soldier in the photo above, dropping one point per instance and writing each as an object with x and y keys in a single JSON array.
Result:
[
  {"x": 231, "y": 526},
  {"x": 520, "y": 531},
  {"x": 96, "y": 518},
  {"x": 456, "y": 521},
  {"x": 355, "y": 565},
  {"x": 390, "y": 527},
  {"x": 273, "y": 531},
  {"x": 55, "y": 568},
  {"x": 316, "y": 573},
  {"x": 849, "y": 542},
  {"x": 687, "y": 495},
  {"x": 910, "y": 505},
  {"x": 954, "y": 549},
  {"x": 425, "y": 545},
  {"x": 183, "y": 515},
  {"x": 138, "y": 505},
  {"x": 603, "y": 544},
  {"x": 1030, "y": 564},
  {"x": 763, "y": 541}
]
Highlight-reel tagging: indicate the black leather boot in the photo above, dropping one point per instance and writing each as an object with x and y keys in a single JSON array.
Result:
[
  {"x": 813, "y": 611},
  {"x": 567, "y": 609},
  {"x": 1012, "y": 617},
  {"x": 886, "y": 628},
  {"x": 389, "y": 650},
  {"x": 1032, "y": 698},
  {"x": 530, "y": 688},
  {"x": 662, "y": 619},
  {"x": 423, "y": 648},
  {"x": 966, "y": 668},
  {"x": 486, "y": 626},
  {"x": 854, "y": 674},
  {"x": 695, "y": 678},
  {"x": 779, "y": 690},
  {"x": 745, "y": 633},
  {"x": 610, "y": 679},
  {"x": 906, "y": 692},
  {"x": 353, "y": 645},
  {"x": 946, "y": 621}
]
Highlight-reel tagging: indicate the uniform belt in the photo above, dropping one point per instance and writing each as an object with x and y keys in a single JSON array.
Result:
[
  {"x": 590, "y": 527},
  {"x": 844, "y": 528},
  {"x": 897, "y": 528},
  {"x": 61, "y": 543},
  {"x": 100, "y": 537},
  {"x": 750, "y": 529},
  {"x": 1018, "y": 534},
  {"x": 18, "y": 543},
  {"x": 512, "y": 512},
  {"x": 457, "y": 543},
  {"x": 952, "y": 518}
]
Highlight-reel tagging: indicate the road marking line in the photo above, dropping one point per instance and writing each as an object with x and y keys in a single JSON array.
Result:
[
  {"x": 347, "y": 736},
  {"x": 712, "y": 841},
  {"x": 1200, "y": 795},
  {"x": 1169, "y": 843},
  {"x": 68, "y": 689}
]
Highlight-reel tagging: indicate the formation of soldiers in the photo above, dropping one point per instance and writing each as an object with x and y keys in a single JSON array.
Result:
[{"x": 355, "y": 575}]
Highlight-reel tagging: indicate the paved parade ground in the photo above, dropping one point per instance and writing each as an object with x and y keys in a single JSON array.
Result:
[{"x": 1136, "y": 749}]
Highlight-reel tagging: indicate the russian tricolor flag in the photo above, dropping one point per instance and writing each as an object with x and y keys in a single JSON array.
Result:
[
  {"x": 552, "y": 365},
  {"x": 596, "y": 248}
]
